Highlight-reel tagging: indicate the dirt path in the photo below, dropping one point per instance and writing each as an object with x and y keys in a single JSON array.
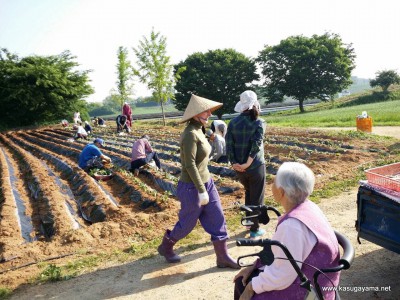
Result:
[{"x": 196, "y": 277}]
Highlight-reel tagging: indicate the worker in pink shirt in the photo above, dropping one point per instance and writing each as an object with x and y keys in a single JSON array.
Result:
[{"x": 142, "y": 154}]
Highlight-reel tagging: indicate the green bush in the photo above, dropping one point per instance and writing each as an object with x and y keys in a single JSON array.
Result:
[
  {"x": 5, "y": 293},
  {"x": 51, "y": 273}
]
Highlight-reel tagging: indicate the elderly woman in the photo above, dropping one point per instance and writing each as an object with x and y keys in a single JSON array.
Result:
[
  {"x": 304, "y": 230},
  {"x": 196, "y": 190},
  {"x": 245, "y": 150}
]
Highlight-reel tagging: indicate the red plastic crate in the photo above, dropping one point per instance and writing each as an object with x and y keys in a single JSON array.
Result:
[{"x": 381, "y": 176}]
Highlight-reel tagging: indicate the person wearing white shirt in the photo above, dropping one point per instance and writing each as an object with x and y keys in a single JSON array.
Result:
[
  {"x": 218, "y": 147},
  {"x": 219, "y": 127},
  {"x": 81, "y": 133},
  {"x": 77, "y": 118},
  {"x": 306, "y": 233}
]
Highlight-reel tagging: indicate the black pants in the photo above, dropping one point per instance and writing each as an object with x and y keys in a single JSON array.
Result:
[
  {"x": 239, "y": 287},
  {"x": 136, "y": 164},
  {"x": 254, "y": 188}
]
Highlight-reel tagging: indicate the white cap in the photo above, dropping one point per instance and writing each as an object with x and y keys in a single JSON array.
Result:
[{"x": 248, "y": 100}]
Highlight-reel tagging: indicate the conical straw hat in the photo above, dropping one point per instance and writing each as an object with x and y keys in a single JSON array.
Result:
[{"x": 198, "y": 105}]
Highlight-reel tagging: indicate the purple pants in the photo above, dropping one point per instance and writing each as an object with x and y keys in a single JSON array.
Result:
[{"x": 211, "y": 215}]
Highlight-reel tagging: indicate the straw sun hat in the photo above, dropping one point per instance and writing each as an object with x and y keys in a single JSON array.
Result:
[{"x": 197, "y": 105}]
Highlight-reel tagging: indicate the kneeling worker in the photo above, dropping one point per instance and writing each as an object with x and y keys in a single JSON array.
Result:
[
  {"x": 91, "y": 157},
  {"x": 218, "y": 147},
  {"x": 142, "y": 154},
  {"x": 122, "y": 124}
]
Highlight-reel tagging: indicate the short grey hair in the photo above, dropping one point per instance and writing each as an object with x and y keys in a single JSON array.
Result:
[
  {"x": 145, "y": 136},
  {"x": 297, "y": 180}
]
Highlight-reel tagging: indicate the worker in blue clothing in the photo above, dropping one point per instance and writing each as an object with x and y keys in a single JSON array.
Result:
[{"x": 91, "y": 156}]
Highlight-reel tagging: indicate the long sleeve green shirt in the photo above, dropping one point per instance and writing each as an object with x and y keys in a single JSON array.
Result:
[{"x": 195, "y": 151}]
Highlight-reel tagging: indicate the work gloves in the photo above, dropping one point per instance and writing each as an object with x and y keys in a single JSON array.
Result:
[{"x": 203, "y": 198}]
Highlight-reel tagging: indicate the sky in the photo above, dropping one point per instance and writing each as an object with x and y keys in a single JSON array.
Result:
[{"x": 92, "y": 30}]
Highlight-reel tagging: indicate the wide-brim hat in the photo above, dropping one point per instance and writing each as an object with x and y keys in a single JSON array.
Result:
[
  {"x": 197, "y": 105},
  {"x": 248, "y": 100}
]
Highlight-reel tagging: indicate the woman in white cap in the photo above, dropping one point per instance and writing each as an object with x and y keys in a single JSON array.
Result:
[
  {"x": 196, "y": 190},
  {"x": 218, "y": 147},
  {"x": 245, "y": 149}
]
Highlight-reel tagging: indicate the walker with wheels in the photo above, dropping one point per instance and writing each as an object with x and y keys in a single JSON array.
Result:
[{"x": 266, "y": 255}]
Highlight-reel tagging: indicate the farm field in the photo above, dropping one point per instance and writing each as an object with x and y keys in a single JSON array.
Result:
[{"x": 50, "y": 208}]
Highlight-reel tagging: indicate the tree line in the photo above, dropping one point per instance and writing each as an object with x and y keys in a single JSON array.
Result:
[
  {"x": 44, "y": 89},
  {"x": 40, "y": 89}
]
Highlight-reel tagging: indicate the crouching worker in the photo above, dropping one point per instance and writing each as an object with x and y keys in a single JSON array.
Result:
[
  {"x": 218, "y": 147},
  {"x": 91, "y": 157},
  {"x": 142, "y": 154},
  {"x": 122, "y": 124},
  {"x": 100, "y": 122},
  {"x": 88, "y": 128},
  {"x": 80, "y": 133},
  {"x": 64, "y": 123},
  {"x": 219, "y": 127},
  {"x": 196, "y": 191},
  {"x": 307, "y": 234}
]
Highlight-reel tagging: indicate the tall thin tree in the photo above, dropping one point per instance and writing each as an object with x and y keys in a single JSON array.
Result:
[
  {"x": 155, "y": 69},
  {"x": 124, "y": 73}
]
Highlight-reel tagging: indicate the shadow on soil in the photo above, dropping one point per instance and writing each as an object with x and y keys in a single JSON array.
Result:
[
  {"x": 133, "y": 278},
  {"x": 124, "y": 280}
]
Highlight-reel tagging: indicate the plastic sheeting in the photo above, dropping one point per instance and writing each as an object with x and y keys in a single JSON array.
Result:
[
  {"x": 70, "y": 198},
  {"x": 24, "y": 221},
  {"x": 164, "y": 185},
  {"x": 86, "y": 202}
]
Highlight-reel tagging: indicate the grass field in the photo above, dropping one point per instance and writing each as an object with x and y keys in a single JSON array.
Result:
[
  {"x": 145, "y": 110},
  {"x": 383, "y": 114}
]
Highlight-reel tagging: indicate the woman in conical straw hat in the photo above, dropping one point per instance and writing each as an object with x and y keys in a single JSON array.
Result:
[{"x": 196, "y": 190}]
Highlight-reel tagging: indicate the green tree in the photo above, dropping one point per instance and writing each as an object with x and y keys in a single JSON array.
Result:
[
  {"x": 98, "y": 109},
  {"x": 112, "y": 103},
  {"x": 124, "y": 72},
  {"x": 155, "y": 69},
  {"x": 385, "y": 79},
  {"x": 306, "y": 68},
  {"x": 220, "y": 75},
  {"x": 41, "y": 89}
]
